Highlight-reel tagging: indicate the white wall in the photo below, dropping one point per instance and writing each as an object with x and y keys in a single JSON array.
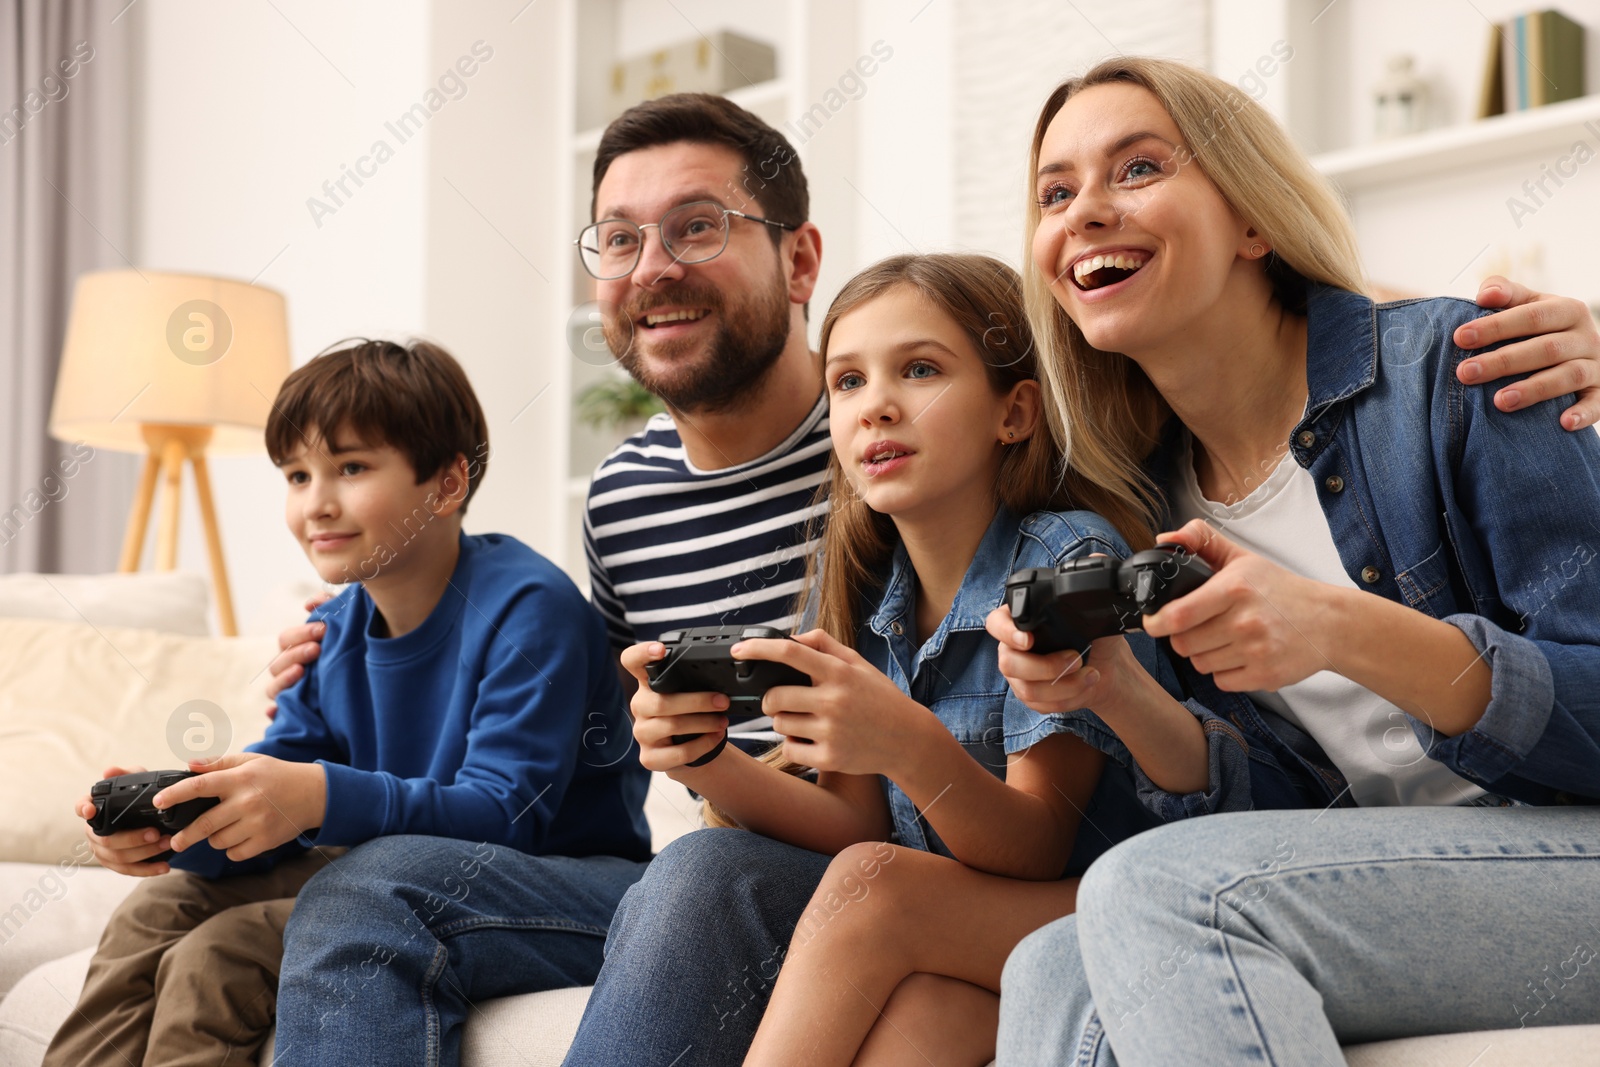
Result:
[
  {"x": 1007, "y": 59},
  {"x": 492, "y": 249},
  {"x": 905, "y": 158},
  {"x": 244, "y": 113}
]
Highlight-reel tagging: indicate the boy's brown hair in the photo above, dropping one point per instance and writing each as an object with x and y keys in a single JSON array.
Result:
[{"x": 413, "y": 397}]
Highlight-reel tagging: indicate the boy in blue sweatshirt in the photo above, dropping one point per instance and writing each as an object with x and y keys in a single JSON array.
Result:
[{"x": 465, "y": 689}]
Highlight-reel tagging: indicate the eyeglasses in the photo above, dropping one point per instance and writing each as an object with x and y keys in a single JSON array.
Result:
[{"x": 691, "y": 233}]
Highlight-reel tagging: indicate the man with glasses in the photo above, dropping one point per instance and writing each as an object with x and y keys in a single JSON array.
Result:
[
  {"x": 703, "y": 271},
  {"x": 704, "y": 260}
]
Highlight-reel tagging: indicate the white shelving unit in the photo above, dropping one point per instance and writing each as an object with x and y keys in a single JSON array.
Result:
[
  {"x": 816, "y": 42},
  {"x": 1437, "y": 211},
  {"x": 1550, "y": 129}
]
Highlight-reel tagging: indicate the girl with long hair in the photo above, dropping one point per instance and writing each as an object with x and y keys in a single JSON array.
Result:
[{"x": 941, "y": 487}]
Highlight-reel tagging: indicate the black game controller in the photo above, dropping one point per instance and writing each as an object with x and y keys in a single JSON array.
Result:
[
  {"x": 697, "y": 661},
  {"x": 1091, "y": 597},
  {"x": 123, "y": 803}
]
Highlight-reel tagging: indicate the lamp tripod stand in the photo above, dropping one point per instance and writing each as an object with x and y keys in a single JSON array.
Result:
[{"x": 169, "y": 445}]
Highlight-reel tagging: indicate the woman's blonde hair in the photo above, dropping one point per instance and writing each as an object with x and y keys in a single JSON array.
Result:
[
  {"x": 983, "y": 296},
  {"x": 1102, "y": 406}
]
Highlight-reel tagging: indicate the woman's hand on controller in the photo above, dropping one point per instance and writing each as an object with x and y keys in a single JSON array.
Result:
[
  {"x": 1057, "y": 682},
  {"x": 657, "y": 717},
  {"x": 126, "y": 851},
  {"x": 1253, "y": 625},
  {"x": 855, "y": 719}
]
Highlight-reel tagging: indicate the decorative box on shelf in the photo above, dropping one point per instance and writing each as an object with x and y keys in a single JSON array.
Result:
[{"x": 715, "y": 63}]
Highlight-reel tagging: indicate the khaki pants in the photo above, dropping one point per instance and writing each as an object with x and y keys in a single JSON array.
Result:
[{"x": 187, "y": 971}]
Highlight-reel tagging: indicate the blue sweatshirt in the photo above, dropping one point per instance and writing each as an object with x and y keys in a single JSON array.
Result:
[{"x": 499, "y": 719}]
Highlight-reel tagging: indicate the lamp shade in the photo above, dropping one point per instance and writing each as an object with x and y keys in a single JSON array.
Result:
[{"x": 181, "y": 349}]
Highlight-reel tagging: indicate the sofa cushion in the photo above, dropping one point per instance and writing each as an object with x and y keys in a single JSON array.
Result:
[
  {"x": 1483, "y": 1048},
  {"x": 32, "y": 1012},
  {"x": 75, "y": 698},
  {"x": 672, "y": 810},
  {"x": 171, "y": 601},
  {"x": 534, "y": 1030},
  {"x": 531, "y": 1030},
  {"x": 52, "y": 911}
]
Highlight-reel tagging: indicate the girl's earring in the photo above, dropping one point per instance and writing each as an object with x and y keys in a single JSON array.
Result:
[
  {"x": 1010, "y": 434},
  {"x": 1257, "y": 251}
]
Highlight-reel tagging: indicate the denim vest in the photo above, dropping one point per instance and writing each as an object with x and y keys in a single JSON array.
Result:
[
  {"x": 1487, "y": 520},
  {"x": 955, "y": 673}
]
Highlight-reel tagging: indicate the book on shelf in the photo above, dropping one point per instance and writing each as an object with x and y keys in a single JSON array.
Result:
[
  {"x": 1540, "y": 61},
  {"x": 1492, "y": 94}
]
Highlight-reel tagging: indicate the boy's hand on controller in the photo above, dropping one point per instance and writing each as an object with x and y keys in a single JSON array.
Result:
[
  {"x": 262, "y": 803},
  {"x": 297, "y": 646},
  {"x": 127, "y": 851},
  {"x": 1560, "y": 340},
  {"x": 659, "y": 716},
  {"x": 1057, "y": 682},
  {"x": 856, "y": 720},
  {"x": 1253, "y": 625}
]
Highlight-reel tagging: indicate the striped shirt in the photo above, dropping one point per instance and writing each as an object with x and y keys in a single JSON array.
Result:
[{"x": 670, "y": 545}]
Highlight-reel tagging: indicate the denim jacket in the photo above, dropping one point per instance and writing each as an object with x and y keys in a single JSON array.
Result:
[
  {"x": 955, "y": 673},
  {"x": 1485, "y": 519}
]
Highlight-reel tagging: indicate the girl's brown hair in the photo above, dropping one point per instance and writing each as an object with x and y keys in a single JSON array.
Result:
[
  {"x": 1103, "y": 407},
  {"x": 983, "y": 297}
]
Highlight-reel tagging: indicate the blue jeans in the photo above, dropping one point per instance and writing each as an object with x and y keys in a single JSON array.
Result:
[
  {"x": 1275, "y": 937},
  {"x": 694, "y": 950},
  {"x": 388, "y": 949}
]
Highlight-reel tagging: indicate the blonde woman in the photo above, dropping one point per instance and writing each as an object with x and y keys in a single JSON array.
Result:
[{"x": 1403, "y": 574}]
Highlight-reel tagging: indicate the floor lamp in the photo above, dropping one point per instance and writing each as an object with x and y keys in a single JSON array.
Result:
[{"x": 173, "y": 366}]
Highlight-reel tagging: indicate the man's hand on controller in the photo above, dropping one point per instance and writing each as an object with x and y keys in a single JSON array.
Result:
[
  {"x": 262, "y": 803},
  {"x": 127, "y": 851},
  {"x": 1560, "y": 340},
  {"x": 297, "y": 646},
  {"x": 658, "y": 717}
]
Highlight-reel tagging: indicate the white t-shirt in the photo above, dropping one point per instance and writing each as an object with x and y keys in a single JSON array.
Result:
[{"x": 1369, "y": 739}]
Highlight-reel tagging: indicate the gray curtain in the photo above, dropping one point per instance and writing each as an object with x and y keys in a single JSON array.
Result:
[{"x": 68, "y": 75}]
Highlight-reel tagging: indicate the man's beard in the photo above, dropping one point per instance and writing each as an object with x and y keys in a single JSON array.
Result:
[{"x": 747, "y": 343}]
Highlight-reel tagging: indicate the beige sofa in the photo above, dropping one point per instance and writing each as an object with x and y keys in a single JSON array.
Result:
[
  {"x": 107, "y": 670},
  {"x": 117, "y": 682}
]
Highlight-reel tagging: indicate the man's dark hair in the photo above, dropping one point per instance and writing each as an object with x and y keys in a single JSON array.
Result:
[
  {"x": 771, "y": 176},
  {"x": 414, "y": 398}
]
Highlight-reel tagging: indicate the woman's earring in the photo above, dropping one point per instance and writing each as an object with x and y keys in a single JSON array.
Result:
[
  {"x": 1257, "y": 251},
  {"x": 1010, "y": 434}
]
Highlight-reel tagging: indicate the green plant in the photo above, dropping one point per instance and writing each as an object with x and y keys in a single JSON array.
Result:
[{"x": 615, "y": 403}]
